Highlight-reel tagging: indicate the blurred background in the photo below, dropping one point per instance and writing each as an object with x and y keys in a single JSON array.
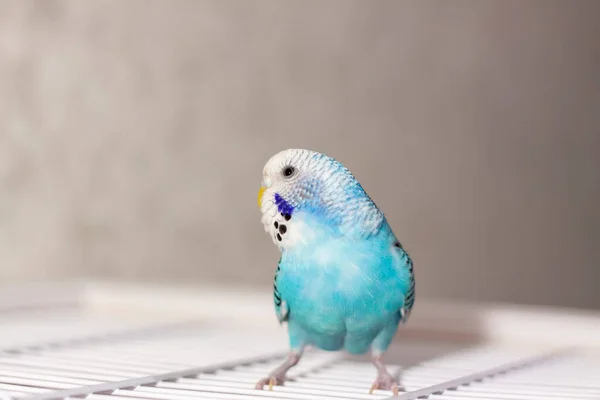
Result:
[{"x": 133, "y": 136}]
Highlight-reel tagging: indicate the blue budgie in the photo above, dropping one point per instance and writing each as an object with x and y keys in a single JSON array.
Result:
[{"x": 343, "y": 281}]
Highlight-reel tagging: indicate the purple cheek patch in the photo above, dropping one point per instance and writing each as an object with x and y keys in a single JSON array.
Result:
[{"x": 283, "y": 206}]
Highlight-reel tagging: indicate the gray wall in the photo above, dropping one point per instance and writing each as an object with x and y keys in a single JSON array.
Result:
[{"x": 133, "y": 135}]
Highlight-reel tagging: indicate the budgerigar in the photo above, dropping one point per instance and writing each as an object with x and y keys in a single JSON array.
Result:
[{"x": 343, "y": 281}]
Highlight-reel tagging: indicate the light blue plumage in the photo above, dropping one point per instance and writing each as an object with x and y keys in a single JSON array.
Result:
[{"x": 343, "y": 280}]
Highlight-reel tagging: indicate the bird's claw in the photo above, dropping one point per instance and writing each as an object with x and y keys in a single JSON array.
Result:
[
  {"x": 374, "y": 386},
  {"x": 271, "y": 381},
  {"x": 385, "y": 383}
]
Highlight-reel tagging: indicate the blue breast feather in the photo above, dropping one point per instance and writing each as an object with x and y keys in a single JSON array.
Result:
[{"x": 340, "y": 292}]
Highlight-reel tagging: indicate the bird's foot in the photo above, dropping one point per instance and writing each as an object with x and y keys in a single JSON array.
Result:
[
  {"x": 385, "y": 382},
  {"x": 274, "y": 380},
  {"x": 278, "y": 375}
]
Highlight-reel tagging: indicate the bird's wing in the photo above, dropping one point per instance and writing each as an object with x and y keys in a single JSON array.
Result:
[
  {"x": 409, "y": 297},
  {"x": 281, "y": 309}
]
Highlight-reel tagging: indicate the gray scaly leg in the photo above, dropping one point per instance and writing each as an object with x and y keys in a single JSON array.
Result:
[
  {"x": 384, "y": 381},
  {"x": 277, "y": 376}
]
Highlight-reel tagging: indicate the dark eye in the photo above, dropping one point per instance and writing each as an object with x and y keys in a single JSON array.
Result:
[{"x": 288, "y": 171}]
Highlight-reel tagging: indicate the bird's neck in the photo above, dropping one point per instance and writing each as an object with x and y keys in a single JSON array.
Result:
[
  {"x": 350, "y": 210},
  {"x": 317, "y": 227}
]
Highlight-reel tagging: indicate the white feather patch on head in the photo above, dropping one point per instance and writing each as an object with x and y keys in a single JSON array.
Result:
[
  {"x": 322, "y": 181},
  {"x": 274, "y": 182}
]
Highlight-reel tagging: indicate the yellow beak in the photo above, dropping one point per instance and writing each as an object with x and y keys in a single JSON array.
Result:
[{"x": 261, "y": 191}]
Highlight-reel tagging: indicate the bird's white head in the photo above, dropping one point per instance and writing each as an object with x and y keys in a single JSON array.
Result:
[{"x": 298, "y": 180}]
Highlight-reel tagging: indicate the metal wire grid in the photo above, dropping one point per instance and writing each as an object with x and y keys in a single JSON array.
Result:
[{"x": 187, "y": 362}]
